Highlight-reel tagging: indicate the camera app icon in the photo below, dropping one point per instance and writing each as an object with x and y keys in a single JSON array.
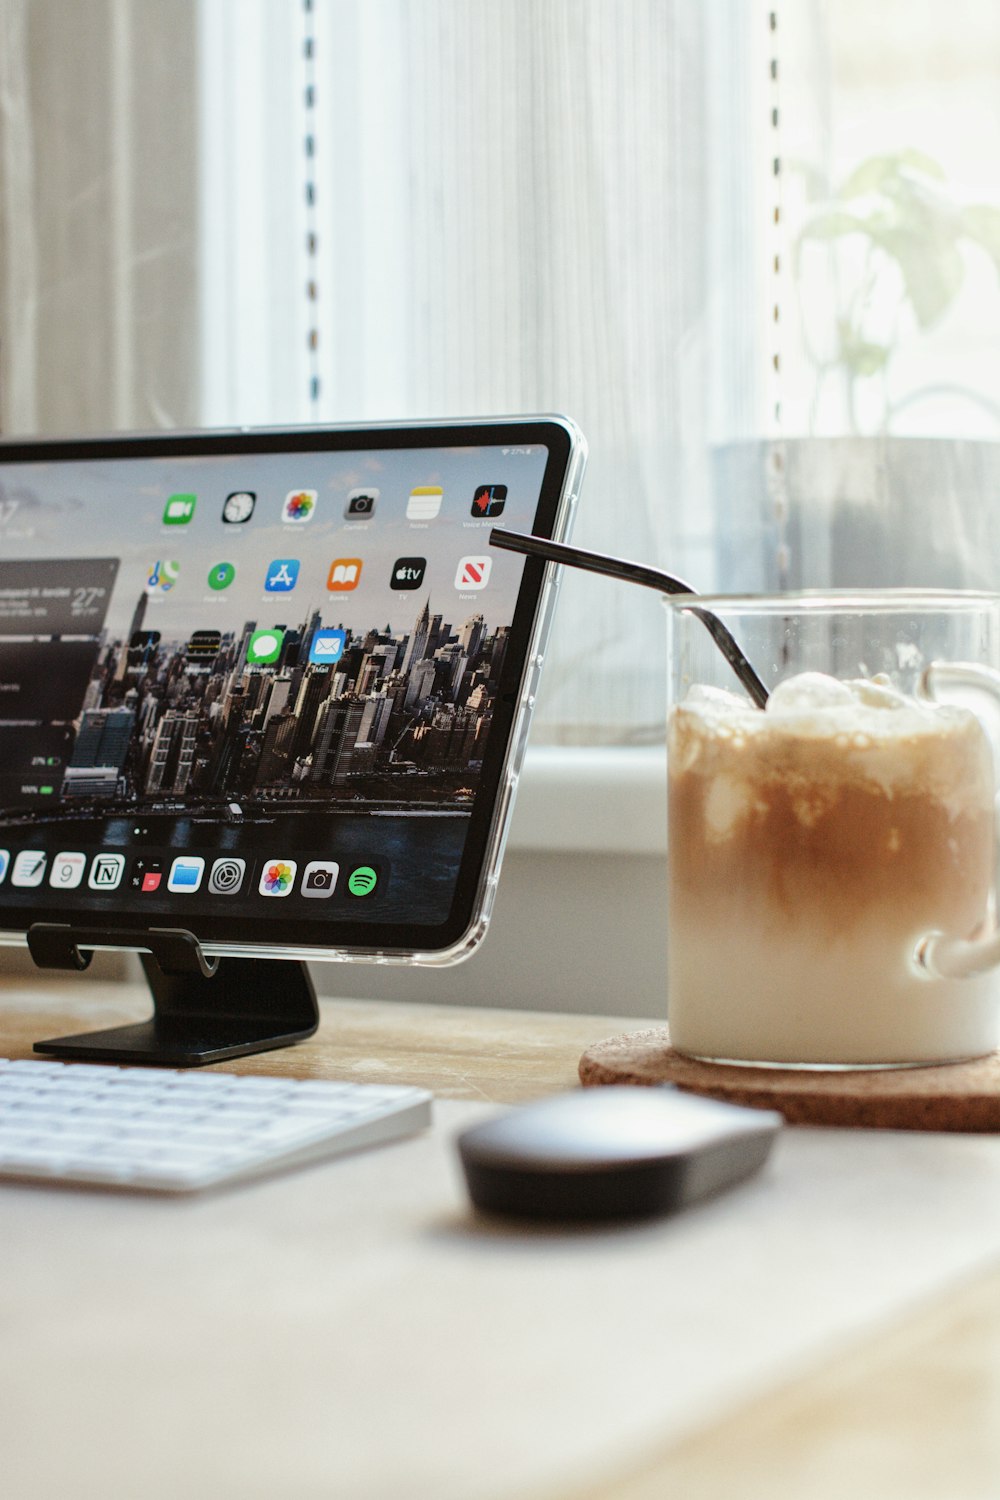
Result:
[
  {"x": 360, "y": 505},
  {"x": 319, "y": 879}
]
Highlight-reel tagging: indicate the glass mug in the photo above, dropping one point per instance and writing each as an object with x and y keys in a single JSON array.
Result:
[{"x": 832, "y": 858}]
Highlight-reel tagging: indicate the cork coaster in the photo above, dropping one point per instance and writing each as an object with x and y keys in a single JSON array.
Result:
[{"x": 956, "y": 1096}]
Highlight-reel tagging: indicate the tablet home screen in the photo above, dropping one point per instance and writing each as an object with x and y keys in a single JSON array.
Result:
[{"x": 252, "y": 693}]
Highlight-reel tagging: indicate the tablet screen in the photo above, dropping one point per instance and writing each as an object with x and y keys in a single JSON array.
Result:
[{"x": 262, "y": 686}]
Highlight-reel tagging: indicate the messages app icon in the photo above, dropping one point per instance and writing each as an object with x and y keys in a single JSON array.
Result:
[{"x": 264, "y": 646}]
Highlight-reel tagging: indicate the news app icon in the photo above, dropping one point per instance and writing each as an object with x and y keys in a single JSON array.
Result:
[
  {"x": 264, "y": 647},
  {"x": 277, "y": 877},
  {"x": 227, "y": 876},
  {"x": 489, "y": 500},
  {"x": 345, "y": 574},
  {"x": 408, "y": 572},
  {"x": 327, "y": 647},
  {"x": 67, "y": 870},
  {"x": 179, "y": 510},
  {"x": 299, "y": 507},
  {"x": 361, "y": 505},
  {"x": 239, "y": 507},
  {"x": 424, "y": 503},
  {"x": 185, "y": 874},
  {"x": 281, "y": 575},
  {"x": 29, "y": 867},
  {"x": 473, "y": 573},
  {"x": 106, "y": 872},
  {"x": 319, "y": 879}
]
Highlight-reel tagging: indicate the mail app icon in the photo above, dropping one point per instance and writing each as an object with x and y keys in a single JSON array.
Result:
[{"x": 327, "y": 647}]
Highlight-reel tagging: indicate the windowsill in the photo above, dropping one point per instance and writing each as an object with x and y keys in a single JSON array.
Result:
[{"x": 599, "y": 800}]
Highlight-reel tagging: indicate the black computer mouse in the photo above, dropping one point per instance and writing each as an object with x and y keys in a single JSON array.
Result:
[{"x": 612, "y": 1152}]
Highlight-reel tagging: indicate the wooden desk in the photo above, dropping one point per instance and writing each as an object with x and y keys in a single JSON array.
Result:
[{"x": 908, "y": 1408}]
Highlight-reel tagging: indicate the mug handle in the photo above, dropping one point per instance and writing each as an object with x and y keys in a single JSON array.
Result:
[{"x": 938, "y": 955}]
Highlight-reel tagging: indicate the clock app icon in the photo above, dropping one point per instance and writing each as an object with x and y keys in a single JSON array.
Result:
[{"x": 239, "y": 506}]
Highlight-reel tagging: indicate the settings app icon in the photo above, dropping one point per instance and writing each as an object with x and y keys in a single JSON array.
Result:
[{"x": 227, "y": 876}]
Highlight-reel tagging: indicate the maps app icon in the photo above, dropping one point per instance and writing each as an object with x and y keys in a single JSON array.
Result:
[{"x": 327, "y": 647}]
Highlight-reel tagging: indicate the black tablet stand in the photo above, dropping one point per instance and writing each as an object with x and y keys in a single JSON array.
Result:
[{"x": 204, "y": 1009}]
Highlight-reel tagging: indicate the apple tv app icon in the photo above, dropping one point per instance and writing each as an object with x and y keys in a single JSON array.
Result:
[{"x": 408, "y": 572}]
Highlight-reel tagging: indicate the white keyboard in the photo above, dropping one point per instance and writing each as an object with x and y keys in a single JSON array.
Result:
[{"x": 178, "y": 1132}]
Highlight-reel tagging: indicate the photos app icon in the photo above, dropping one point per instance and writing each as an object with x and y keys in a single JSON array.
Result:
[{"x": 299, "y": 507}]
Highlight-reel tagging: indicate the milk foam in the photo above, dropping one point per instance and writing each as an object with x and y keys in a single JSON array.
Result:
[{"x": 811, "y": 847}]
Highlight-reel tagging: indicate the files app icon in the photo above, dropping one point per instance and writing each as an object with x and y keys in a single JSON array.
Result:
[{"x": 327, "y": 647}]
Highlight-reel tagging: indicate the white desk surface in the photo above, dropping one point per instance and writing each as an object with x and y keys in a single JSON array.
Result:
[{"x": 352, "y": 1330}]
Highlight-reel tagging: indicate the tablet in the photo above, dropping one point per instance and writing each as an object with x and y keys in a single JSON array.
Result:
[{"x": 271, "y": 688}]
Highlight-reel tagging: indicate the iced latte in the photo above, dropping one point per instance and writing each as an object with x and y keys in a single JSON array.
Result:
[{"x": 811, "y": 847}]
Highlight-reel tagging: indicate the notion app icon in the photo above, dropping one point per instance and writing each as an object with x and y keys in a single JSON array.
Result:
[
  {"x": 277, "y": 877},
  {"x": 29, "y": 867},
  {"x": 281, "y": 576},
  {"x": 185, "y": 873},
  {"x": 473, "y": 573},
  {"x": 67, "y": 870},
  {"x": 298, "y": 507},
  {"x": 106, "y": 872},
  {"x": 264, "y": 647},
  {"x": 345, "y": 573},
  {"x": 327, "y": 647},
  {"x": 179, "y": 510},
  {"x": 161, "y": 577},
  {"x": 424, "y": 502}
]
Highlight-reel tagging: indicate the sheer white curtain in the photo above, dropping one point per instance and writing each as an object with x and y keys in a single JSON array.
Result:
[
  {"x": 98, "y": 231},
  {"x": 541, "y": 205}
]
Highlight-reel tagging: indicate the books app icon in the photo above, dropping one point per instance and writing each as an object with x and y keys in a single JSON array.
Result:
[{"x": 345, "y": 573}]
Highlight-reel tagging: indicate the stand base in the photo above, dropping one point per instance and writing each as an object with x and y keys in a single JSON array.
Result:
[{"x": 245, "y": 1005}]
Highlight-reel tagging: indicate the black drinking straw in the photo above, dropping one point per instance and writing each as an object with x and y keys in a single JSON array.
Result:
[{"x": 633, "y": 572}]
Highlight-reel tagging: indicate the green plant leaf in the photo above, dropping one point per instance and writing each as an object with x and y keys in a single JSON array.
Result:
[
  {"x": 932, "y": 269},
  {"x": 878, "y": 173},
  {"x": 832, "y": 224},
  {"x": 980, "y": 222}
]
